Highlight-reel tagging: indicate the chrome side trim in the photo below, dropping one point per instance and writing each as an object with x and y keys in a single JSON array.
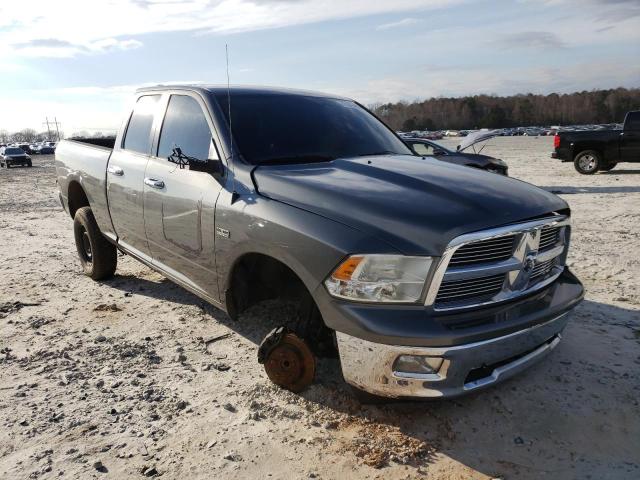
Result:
[{"x": 517, "y": 277}]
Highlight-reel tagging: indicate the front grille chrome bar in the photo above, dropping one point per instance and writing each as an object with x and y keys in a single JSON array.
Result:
[{"x": 524, "y": 271}]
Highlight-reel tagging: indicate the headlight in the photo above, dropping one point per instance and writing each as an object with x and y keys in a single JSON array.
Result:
[{"x": 380, "y": 278}]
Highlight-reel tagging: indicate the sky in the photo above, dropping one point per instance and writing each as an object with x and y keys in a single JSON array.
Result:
[{"x": 80, "y": 60}]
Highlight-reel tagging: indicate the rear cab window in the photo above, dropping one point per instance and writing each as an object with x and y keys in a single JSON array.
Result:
[
  {"x": 632, "y": 122},
  {"x": 137, "y": 137}
]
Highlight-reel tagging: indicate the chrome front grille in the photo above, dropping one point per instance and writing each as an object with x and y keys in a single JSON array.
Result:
[
  {"x": 499, "y": 264},
  {"x": 542, "y": 269},
  {"x": 461, "y": 290},
  {"x": 492, "y": 250},
  {"x": 549, "y": 237}
]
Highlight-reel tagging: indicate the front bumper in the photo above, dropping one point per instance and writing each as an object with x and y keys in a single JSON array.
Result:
[{"x": 369, "y": 366}]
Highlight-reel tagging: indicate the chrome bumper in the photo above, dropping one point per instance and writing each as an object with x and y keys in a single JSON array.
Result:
[{"x": 465, "y": 368}]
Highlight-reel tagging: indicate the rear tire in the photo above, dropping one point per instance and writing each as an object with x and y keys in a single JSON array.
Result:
[
  {"x": 608, "y": 167},
  {"x": 587, "y": 162},
  {"x": 98, "y": 256}
]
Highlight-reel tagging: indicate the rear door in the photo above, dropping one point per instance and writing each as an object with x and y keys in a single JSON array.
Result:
[
  {"x": 180, "y": 201},
  {"x": 630, "y": 138},
  {"x": 125, "y": 176}
]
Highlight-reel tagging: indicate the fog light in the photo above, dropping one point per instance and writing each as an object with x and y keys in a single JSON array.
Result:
[{"x": 417, "y": 364}]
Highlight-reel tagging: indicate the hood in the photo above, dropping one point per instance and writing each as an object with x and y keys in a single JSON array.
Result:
[
  {"x": 416, "y": 205},
  {"x": 477, "y": 137}
]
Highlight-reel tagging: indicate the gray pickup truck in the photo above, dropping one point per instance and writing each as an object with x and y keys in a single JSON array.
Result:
[{"x": 430, "y": 279}]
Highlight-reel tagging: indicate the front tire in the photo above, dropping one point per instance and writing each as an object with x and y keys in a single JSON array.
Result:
[
  {"x": 587, "y": 162},
  {"x": 98, "y": 256}
]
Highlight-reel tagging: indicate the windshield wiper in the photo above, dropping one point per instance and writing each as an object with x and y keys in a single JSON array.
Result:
[{"x": 296, "y": 159}]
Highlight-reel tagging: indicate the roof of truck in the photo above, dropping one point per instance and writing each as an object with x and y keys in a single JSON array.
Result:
[{"x": 239, "y": 89}]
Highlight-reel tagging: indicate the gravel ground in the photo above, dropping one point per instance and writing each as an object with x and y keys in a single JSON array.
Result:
[{"x": 136, "y": 377}]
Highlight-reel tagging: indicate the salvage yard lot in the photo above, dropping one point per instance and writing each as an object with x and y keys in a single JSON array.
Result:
[{"x": 137, "y": 377}]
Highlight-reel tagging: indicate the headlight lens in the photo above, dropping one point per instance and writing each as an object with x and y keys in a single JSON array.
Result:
[{"x": 380, "y": 278}]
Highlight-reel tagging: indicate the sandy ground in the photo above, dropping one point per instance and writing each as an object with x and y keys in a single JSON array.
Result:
[{"x": 128, "y": 378}]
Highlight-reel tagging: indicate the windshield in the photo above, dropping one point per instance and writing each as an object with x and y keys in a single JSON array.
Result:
[
  {"x": 13, "y": 151},
  {"x": 280, "y": 128}
]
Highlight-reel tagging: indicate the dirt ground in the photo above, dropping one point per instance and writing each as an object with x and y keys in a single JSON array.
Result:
[{"x": 136, "y": 377}]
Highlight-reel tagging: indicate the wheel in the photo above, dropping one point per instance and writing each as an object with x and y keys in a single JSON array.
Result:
[
  {"x": 587, "y": 162},
  {"x": 97, "y": 256},
  {"x": 606, "y": 168},
  {"x": 29, "y": 164}
]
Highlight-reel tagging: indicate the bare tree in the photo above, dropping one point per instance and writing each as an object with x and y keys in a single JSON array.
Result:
[{"x": 598, "y": 106}]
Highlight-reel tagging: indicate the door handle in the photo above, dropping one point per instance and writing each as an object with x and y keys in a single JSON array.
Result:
[
  {"x": 113, "y": 170},
  {"x": 154, "y": 183}
]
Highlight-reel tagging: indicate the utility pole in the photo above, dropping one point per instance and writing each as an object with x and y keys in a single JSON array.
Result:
[
  {"x": 48, "y": 130},
  {"x": 57, "y": 125},
  {"x": 57, "y": 129}
]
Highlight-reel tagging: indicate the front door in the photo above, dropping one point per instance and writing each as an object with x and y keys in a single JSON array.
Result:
[
  {"x": 179, "y": 200},
  {"x": 125, "y": 176}
]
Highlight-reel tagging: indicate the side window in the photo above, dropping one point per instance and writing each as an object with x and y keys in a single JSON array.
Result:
[
  {"x": 633, "y": 121},
  {"x": 185, "y": 127},
  {"x": 422, "y": 149},
  {"x": 138, "y": 135}
]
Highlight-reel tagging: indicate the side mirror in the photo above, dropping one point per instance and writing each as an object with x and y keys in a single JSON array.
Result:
[{"x": 215, "y": 167}]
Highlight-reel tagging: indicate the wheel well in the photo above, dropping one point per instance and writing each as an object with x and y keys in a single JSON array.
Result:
[
  {"x": 76, "y": 198},
  {"x": 587, "y": 149},
  {"x": 257, "y": 277}
]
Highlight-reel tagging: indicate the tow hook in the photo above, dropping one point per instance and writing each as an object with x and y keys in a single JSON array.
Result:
[{"x": 287, "y": 359}]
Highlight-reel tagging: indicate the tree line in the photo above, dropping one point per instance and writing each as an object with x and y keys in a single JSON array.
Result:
[
  {"x": 490, "y": 111},
  {"x": 27, "y": 135}
]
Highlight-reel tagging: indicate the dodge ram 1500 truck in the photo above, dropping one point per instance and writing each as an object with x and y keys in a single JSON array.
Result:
[
  {"x": 600, "y": 150},
  {"x": 431, "y": 279}
]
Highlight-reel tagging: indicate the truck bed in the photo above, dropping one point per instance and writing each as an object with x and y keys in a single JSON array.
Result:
[{"x": 84, "y": 161}]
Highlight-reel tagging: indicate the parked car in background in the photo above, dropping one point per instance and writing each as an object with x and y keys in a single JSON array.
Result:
[
  {"x": 25, "y": 147},
  {"x": 427, "y": 148},
  {"x": 11, "y": 156},
  {"x": 44, "y": 149},
  {"x": 600, "y": 149}
]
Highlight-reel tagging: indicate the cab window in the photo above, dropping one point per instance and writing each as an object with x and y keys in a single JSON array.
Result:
[
  {"x": 185, "y": 127},
  {"x": 632, "y": 121},
  {"x": 422, "y": 148},
  {"x": 138, "y": 135}
]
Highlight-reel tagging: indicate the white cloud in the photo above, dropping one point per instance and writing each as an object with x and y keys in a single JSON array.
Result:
[
  {"x": 531, "y": 40},
  {"x": 81, "y": 26},
  {"x": 54, "y": 48},
  {"x": 405, "y": 22}
]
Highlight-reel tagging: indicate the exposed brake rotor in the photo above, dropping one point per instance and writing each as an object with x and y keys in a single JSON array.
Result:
[{"x": 287, "y": 359}]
